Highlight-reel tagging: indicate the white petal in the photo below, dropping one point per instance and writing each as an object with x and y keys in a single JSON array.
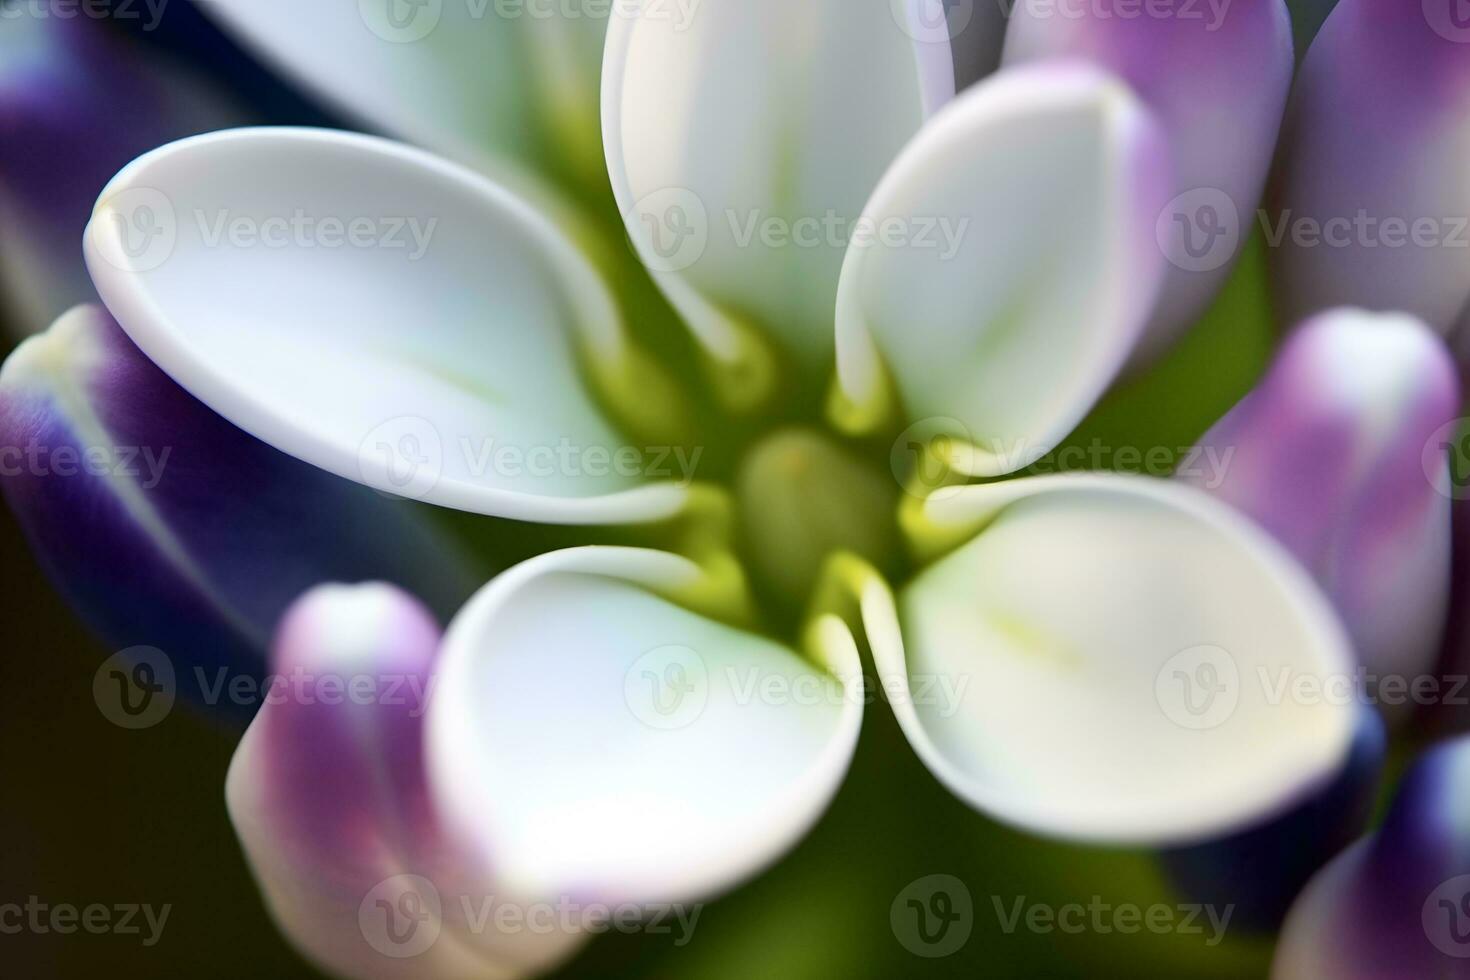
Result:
[
  {"x": 1043, "y": 183},
  {"x": 592, "y": 737},
  {"x": 1117, "y": 642},
  {"x": 756, "y": 111},
  {"x": 455, "y": 76},
  {"x": 376, "y": 311}
]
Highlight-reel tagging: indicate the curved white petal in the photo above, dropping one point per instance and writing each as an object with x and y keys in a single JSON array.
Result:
[
  {"x": 480, "y": 82},
  {"x": 592, "y": 737},
  {"x": 742, "y": 146},
  {"x": 1218, "y": 83},
  {"x": 1119, "y": 643},
  {"x": 1043, "y": 183},
  {"x": 376, "y": 311}
]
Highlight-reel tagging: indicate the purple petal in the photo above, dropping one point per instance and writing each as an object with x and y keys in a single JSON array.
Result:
[
  {"x": 1396, "y": 904},
  {"x": 77, "y": 102},
  {"x": 1218, "y": 80},
  {"x": 167, "y": 526},
  {"x": 1328, "y": 455},
  {"x": 339, "y": 775},
  {"x": 328, "y": 794},
  {"x": 1375, "y": 153}
]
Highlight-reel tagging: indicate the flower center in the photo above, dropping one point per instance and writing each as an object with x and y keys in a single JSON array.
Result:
[{"x": 802, "y": 496}]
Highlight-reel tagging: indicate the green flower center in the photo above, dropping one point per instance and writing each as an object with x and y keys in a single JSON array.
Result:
[{"x": 801, "y": 497}]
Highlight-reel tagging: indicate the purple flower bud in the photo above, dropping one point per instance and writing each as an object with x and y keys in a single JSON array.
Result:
[
  {"x": 165, "y": 525},
  {"x": 328, "y": 794},
  {"x": 1217, "y": 80},
  {"x": 77, "y": 102},
  {"x": 1373, "y": 204},
  {"x": 1397, "y": 903},
  {"x": 1328, "y": 455}
]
